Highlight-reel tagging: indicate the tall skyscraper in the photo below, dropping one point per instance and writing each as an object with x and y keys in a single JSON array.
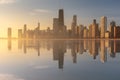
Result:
[
  {"x": 74, "y": 26},
  {"x": 81, "y": 31},
  {"x": 111, "y": 29},
  {"x": 61, "y": 17},
  {"x": 85, "y": 32},
  {"x": 59, "y": 28},
  {"x": 9, "y": 33},
  {"x": 95, "y": 29},
  {"x": 25, "y": 31},
  {"x": 103, "y": 26},
  {"x": 62, "y": 27},
  {"x": 90, "y": 31}
]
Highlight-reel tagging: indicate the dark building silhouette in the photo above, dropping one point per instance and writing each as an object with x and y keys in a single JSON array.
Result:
[
  {"x": 58, "y": 25},
  {"x": 61, "y": 17},
  {"x": 74, "y": 26}
]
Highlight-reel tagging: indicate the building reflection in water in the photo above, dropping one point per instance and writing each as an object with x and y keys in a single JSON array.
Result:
[
  {"x": 103, "y": 53},
  {"x": 59, "y": 49},
  {"x": 77, "y": 47},
  {"x": 20, "y": 44},
  {"x": 9, "y": 44}
]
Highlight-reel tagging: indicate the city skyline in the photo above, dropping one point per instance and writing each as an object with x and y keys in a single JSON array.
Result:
[{"x": 16, "y": 13}]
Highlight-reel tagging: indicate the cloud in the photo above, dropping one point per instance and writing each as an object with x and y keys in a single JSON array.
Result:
[
  {"x": 41, "y": 67},
  {"x": 7, "y": 1},
  {"x": 39, "y": 11},
  {"x": 9, "y": 77}
]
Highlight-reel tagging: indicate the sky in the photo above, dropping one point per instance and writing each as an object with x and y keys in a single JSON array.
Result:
[{"x": 16, "y": 13}]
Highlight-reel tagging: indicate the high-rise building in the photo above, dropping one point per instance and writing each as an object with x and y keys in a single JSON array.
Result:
[
  {"x": 25, "y": 31},
  {"x": 103, "y": 26},
  {"x": 55, "y": 25},
  {"x": 111, "y": 29},
  {"x": 85, "y": 32},
  {"x": 95, "y": 29},
  {"x": 9, "y": 33},
  {"x": 19, "y": 33},
  {"x": 37, "y": 31},
  {"x": 90, "y": 31},
  {"x": 81, "y": 27},
  {"x": 117, "y": 32},
  {"x": 38, "y": 26},
  {"x": 74, "y": 26},
  {"x": 59, "y": 28},
  {"x": 61, "y": 17}
]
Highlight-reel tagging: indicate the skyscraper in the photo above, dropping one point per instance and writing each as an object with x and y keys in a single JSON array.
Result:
[
  {"x": 59, "y": 28},
  {"x": 19, "y": 33},
  {"x": 55, "y": 25},
  {"x": 61, "y": 17},
  {"x": 25, "y": 31},
  {"x": 74, "y": 26},
  {"x": 85, "y": 32},
  {"x": 38, "y": 26},
  {"x": 95, "y": 29},
  {"x": 111, "y": 29},
  {"x": 9, "y": 33},
  {"x": 103, "y": 26}
]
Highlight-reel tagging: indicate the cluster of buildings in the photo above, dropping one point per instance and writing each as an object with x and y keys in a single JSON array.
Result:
[{"x": 93, "y": 31}]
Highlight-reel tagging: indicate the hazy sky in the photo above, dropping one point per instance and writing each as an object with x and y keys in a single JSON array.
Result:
[{"x": 16, "y": 13}]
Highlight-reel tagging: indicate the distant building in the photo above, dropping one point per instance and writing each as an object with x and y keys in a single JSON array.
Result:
[
  {"x": 81, "y": 27},
  {"x": 9, "y": 33},
  {"x": 117, "y": 32},
  {"x": 93, "y": 30},
  {"x": 55, "y": 25},
  {"x": 78, "y": 31},
  {"x": 103, "y": 26},
  {"x": 74, "y": 27},
  {"x": 61, "y": 17},
  {"x": 90, "y": 31},
  {"x": 58, "y": 25},
  {"x": 85, "y": 32},
  {"x": 25, "y": 31},
  {"x": 37, "y": 31},
  {"x": 111, "y": 29},
  {"x": 107, "y": 34},
  {"x": 19, "y": 33}
]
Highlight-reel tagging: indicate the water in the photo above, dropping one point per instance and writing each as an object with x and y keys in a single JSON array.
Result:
[{"x": 59, "y": 60}]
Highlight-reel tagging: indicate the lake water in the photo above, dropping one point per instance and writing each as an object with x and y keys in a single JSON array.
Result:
[{"x": 59, "y": 60}]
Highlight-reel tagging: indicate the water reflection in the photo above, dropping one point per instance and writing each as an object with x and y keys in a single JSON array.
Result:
[
  {"x": 9, "y": 44},
  {"x": 94, "y": 48}
]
